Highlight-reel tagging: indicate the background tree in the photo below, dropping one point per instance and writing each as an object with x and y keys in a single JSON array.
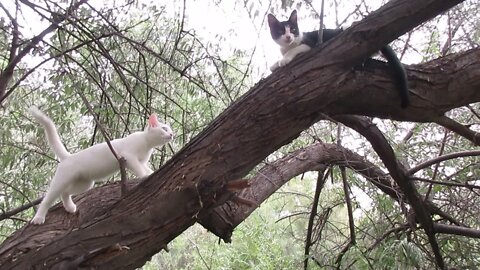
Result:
[{"x": 128, "y": 60}]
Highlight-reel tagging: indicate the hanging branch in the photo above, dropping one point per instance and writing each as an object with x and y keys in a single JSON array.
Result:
[
  {"x": 321, "y": 179},
  {"x": 351, "y": 223},
  {"x": 320, "y": 30}
]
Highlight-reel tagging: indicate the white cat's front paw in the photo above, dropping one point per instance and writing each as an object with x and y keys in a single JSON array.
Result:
[
  {"x": 37, "y": 220},
  {"x": 274, "y": 67},
  {"x": 284, "y": 61}
]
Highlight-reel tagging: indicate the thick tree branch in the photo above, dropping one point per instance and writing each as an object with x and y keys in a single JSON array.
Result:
[
  {"x": 270, "y": 115},
  {"x": 222, "y": 220},
  {"x": 460, "y": 129},
  {"x": 457, "y": 230}
]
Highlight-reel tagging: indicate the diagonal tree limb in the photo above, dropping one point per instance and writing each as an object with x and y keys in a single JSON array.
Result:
[
  {"x": 460, "y": 129},
  {"x": 122, "y": 162},
  {"x": 398, "y": 172}
]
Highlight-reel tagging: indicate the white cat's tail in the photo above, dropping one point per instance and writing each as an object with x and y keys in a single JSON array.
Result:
[{"x": 51, "y": 133}]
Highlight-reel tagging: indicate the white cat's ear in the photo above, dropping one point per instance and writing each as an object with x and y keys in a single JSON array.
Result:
[
  {"x": 293, "y": 16},
  {"x": 272, "y": 21},
  {"x": 153, "y": 120}
]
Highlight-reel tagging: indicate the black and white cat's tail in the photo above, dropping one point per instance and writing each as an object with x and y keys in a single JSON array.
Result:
[
  {"x": 399, "y": 74},
  {"x": 51, "y": 133}
]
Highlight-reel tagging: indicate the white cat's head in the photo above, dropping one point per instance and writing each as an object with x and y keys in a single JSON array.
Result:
[
  {"x": 162, "y": 133},
  {"x": 285, "y": 33}
]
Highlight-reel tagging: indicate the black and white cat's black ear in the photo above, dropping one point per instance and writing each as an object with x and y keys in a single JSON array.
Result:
[
  {"x": 293, "y": 17},
  {"x": 272, "y": 21}
]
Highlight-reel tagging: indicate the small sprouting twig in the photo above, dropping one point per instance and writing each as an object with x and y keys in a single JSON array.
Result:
[{"x": 121, "y": 160}]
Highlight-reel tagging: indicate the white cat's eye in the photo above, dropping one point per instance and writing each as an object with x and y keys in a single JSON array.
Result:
[{"x": 165, "y": 129}]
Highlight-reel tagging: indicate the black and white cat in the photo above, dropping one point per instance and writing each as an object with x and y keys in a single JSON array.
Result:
[
  {"x": 292, "y": 42},
  {"x": 76, "y": 173}
]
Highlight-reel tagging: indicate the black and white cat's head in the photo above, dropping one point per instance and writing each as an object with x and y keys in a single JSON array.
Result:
[{"x": 285, "y": 33}]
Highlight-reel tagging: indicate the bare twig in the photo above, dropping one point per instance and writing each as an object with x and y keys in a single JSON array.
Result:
[
  {"x": 448, "y": 184},
  {"x": 320, "y": 30},
  {"x": 351, "y": 224},
  {"x": 435, "y": 170},
  {"x": 321, "y": 178},
  {"x": 432, "y": 161},
  {"x": 121, "y": 160}
]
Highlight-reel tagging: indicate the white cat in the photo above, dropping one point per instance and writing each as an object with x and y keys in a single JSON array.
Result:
[{"x": 77, "y": 172}]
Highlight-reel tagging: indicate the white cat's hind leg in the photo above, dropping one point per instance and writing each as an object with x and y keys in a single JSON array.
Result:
[
  {"x": 77, "y": 187},
  {"x": 58, "y": 185},
  {"x": 68, "y": 203}
]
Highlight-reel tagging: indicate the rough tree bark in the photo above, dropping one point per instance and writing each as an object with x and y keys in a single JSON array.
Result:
[{"x": 123, "y": 234}]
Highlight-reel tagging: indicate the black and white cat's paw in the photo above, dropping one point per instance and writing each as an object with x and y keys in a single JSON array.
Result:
[
  {"x": 281, "y": 63},
  {"x": 274, "y": 67},
  {"x": 284, "y": 61}
]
